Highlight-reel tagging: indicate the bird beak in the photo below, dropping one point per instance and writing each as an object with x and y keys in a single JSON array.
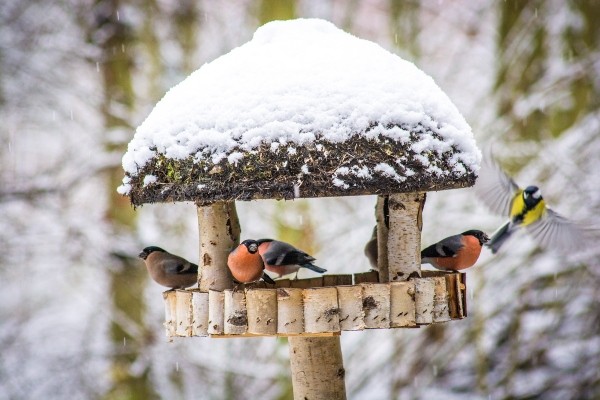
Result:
[
  {"x": 143, "y": 255},
  {"x": 486, "y": 238}
]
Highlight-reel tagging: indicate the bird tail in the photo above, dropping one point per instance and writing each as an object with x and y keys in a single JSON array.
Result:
[
  {"x": 313, "y": 267},
  {"x": 500, "y": 236},
  {"x": 268, "y": 279}
]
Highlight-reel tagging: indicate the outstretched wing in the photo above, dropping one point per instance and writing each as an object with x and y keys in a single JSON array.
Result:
[
  {"x": 553, "y": 231},
  {"x": 494, "y": 187}
]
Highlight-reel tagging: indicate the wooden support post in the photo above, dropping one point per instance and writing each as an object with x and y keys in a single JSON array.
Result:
[
  {"x": 403, "y": 245},
  {"x": 219, "y": 234},
  {"x": 317, "y": 368}
]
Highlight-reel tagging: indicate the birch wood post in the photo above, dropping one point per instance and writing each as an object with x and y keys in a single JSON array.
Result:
[
  {"x": 424, "y": 289},
  {"x": 183, "y": 300},
  {"x": 219, "y": 234},
  {"x": 290, "y": 310},
  {"x": 404, "y": 236},
  {"x": 199, "y": 313},
  {"x": 382, "y": 217},
  {"x": 235, "y": 313},
  {"x": 216, "y": 308},
  {"x": 402, "y": 304},
  {"x": 170, "y": 312},
  {"x": 262, "y": 311},
  {"x": 317, "y": 368},
  {"x": 376, "y": 304},
  {"x": 321, "y": 310},
  {"x": 441, "y": 311},
  {"x": 350, "y": 301}
]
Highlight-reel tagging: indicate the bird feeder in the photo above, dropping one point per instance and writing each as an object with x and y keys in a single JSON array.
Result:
[{"x": 306, "y": 110}]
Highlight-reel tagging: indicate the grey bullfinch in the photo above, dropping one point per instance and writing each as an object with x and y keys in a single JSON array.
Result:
[
  {"x": 455, "y": 252},
  {"x": 283, "y": 258},
  {"x": 371, "y": 249},
  {"x": 245, "y": 263},
  {"x": 168, "y": 269}
]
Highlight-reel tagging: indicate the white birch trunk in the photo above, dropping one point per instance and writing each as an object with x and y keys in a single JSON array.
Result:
[
  {"x": 441, "y": 311},
  {"x": 424, "y": 289},
  {"x": 219, "y": 234},
  {"x": 317, "y": 368},
  {"x": 402, "y": 304},
  {"x": 321, "y": 311},
  {"x": 199, "y": 313},
  {"x": 290, "y": 311},
  {"x": 352, "y": 315},
  {"x": 404, "y": 236},
  {"x": 216, "y": 308},
  {"x": 235, "y": 313},
  {"x": 183, "y": 300},
  {"x": 376, "y": 305},
  {"x": 262, "y": 311},
  {"x": 382, "y": 217},
  {"x": 170, "y": 313}
]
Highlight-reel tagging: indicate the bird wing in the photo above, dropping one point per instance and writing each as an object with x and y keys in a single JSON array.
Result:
[
  {"x": 447, "y": 247},
  {"x": 281, "y": 253},
  {"x": 494, "y": 187},
  {"x": 180, "y": 266},
  {"x": 554, "y": 231}
]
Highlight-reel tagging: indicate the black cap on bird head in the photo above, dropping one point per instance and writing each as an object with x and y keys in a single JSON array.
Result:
[
  {"x": 532, "y": 195},
  {"x": 482, "y": 236},
  {"x": 251, "y": 245},
  {"x": 148, "y": 250}
]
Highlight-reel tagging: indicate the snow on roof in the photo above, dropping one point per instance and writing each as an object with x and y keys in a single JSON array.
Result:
[{"x": 295, "y": 83}]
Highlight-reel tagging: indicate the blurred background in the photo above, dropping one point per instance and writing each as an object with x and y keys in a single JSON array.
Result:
[{"x": 79, "y": 317}]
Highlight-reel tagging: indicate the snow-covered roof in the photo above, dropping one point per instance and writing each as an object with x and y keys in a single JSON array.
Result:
[{"x": 302, "y": 110}]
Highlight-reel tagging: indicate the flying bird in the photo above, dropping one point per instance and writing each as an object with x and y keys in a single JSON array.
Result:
[
  {"x": 168, "y": 269},
  {"x": 525, "y": 208},
  {"x": 246, "y": 264},
  {"x": 456, "y": 252},
  {"x": 283, "y": 258}
]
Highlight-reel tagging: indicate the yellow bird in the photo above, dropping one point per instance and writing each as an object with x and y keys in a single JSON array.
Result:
[{"x": 525, "y": 208}]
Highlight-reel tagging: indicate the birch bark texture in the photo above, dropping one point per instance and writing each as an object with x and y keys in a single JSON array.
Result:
[
  {"x": 220, "y": 230},
  {"x": 403, "y": 247},
  {"x": 317, "y": 368}
]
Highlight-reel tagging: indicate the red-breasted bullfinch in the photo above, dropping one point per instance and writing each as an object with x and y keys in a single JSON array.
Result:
[
  {"x": 168, "y": 269},
  {"x": 455, "y": 252},
  {"x": 246, "y": 264},
  {"x": 283, "y": 258},
  {"x": 525, "y": 208},
  {"x": 371, "y": 249}
]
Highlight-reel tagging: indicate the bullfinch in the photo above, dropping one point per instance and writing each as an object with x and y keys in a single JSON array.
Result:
[
  {"x": 168, "y": 269},
  {"x": 246, "y": 264},
  {"x": 456, "y": 252},
  {"x": 283, "y": 258},
  {"x": 525, "y": 208},
  {"x": 371, "y": 249}
]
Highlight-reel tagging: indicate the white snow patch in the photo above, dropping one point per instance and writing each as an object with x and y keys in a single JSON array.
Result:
[
  {"x": 148, "y": 179},
  {"x": 340, "y": 183},
  {"x": 295, "y": 79},
  {"x": 291, "y": 151},
  {"x": 235, "y": 157},
  {"x": 389, "y": 171},
  {"x": 304, "y": 169},
  {"x": 124, "y": 189}
]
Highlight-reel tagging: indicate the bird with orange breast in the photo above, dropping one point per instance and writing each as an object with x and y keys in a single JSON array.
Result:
[
  {"x": 168, "y": 269},
  {"x": 456, "y": 252},
  {"x": 246, "y": 264},
  {"x": 283, "y": 258}
]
